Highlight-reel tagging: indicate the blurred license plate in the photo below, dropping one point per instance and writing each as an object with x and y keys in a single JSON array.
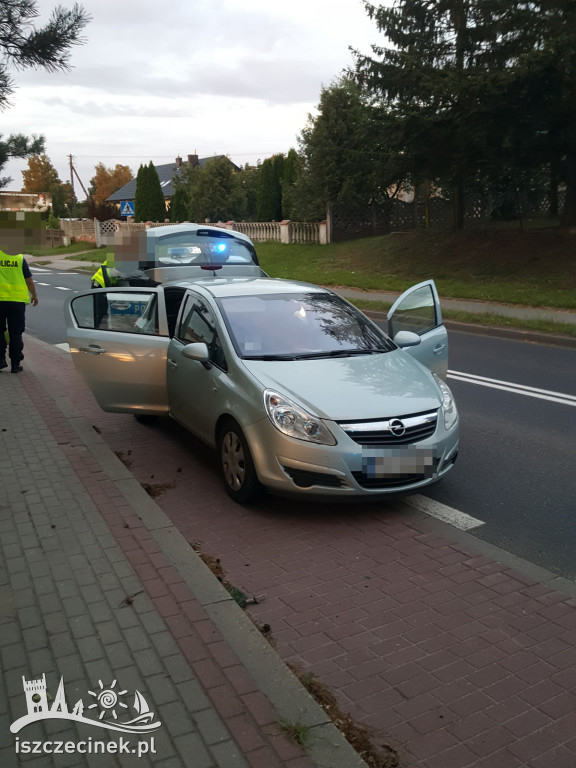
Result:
[{"x": 398, "y": 461}]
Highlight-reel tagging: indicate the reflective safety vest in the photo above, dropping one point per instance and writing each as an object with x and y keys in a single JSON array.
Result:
[
  {"x": 103, "y": 276},
  {"x": 12, "y": 282},
  {"x": 98, "y": 277}
]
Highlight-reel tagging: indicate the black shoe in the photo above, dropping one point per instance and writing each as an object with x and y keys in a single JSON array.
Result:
[
  {"x": 16, "y": 369},
  {"x": 3, "y": 362}
]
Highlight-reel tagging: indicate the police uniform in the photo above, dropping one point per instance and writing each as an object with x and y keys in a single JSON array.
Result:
[
  {"x": 14, "y": 296},
  {"x": 106, "y": 275}
]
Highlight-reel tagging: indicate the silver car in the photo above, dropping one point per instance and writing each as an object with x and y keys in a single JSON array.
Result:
[{"x": 296, "y": 389}]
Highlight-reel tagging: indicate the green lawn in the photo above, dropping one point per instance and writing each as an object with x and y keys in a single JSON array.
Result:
[
  {"x": 490, "y": 319},
  {"x": 534, "y": 268},
  {"x": 68, "y": 250}
]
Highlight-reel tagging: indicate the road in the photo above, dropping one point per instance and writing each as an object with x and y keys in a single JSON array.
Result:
[
  {"x": 516, "y": 470},
  {"x": 46, "y": 321}
]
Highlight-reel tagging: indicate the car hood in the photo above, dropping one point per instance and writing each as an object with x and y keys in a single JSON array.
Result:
[{"x": 351, "y": 388}]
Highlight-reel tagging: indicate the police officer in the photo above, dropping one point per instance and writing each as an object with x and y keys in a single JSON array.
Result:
[
  {"x": 107, "y": 275},
  {"x": 16, "y": 287}
]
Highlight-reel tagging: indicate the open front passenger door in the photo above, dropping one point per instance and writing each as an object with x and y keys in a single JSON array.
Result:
[{"x": 418, "y": 311}]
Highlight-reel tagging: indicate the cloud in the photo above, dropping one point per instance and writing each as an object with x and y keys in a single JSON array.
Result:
[{"x": 236, "y": 77}]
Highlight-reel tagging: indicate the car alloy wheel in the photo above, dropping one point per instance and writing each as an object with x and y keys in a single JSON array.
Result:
[{"x": 236, "y": 465}]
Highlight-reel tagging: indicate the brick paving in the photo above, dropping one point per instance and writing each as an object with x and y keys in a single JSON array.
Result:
[
  {"x": 451, "y": 657},
  {"x": 86, "y": 593}
]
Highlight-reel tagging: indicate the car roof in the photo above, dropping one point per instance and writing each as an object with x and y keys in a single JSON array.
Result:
[
  {"x": 224, "y": 287},
  {"x": 156, "y": 233}
]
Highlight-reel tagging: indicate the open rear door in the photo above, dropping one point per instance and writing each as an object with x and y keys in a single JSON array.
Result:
[
  {"x": 418, "y": 310},
  {"x": 118, "y": 339}
]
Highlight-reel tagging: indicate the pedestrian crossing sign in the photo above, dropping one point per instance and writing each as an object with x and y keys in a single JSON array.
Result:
[{"x": 127, "y": 208}]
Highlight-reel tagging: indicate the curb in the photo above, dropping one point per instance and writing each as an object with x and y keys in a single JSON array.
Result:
[{"x": 326, "y": 745}]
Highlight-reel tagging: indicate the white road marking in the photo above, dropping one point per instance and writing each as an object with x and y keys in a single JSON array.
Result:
[
  {"x": 37, "y": 283},
  {"x": 517, "y": 389},
  {"x": 37, "y": 270},
  {"x": 65, "y": 346},
  {"x": 443, "y": 512},
  {"x": 62, "y": 288}
]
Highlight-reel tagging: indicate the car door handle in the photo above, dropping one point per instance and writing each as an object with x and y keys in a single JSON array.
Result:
[
  {"x": 172, "y": 363},
  {"x": 438, "y": 348},
  {"x": 93, "y": 350}
]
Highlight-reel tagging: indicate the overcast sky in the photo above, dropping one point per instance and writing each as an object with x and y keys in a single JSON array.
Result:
[{"x": 158, "y": 79}]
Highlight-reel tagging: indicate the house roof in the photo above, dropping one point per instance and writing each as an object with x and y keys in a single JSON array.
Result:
[{"x": 165, "y": 173}]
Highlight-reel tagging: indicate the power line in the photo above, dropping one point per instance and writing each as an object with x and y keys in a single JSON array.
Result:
[{"x": 146, "y": 154}]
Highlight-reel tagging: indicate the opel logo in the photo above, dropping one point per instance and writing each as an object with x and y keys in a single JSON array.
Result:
[{"x": 396, "y": 427}]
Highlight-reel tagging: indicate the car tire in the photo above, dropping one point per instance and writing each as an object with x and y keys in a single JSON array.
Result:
[
  {"x": 236, "y": 465},
  {"x": 146, "y": 418}
]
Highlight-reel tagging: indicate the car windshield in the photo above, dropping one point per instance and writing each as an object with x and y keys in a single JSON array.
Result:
[{"x": 300, "y": 326}]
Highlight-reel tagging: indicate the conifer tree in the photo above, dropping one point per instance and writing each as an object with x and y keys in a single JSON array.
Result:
[
  {"x": 24, "y": 46},
  {"x": 157, "y": 202},
  {"x": 141, "y": 196},
  {"x": 149, "y": 203},
  {"x": 179, "y": 206},
  {"x": 444, "y": 72},
  {"x": 269, "y": 192}
]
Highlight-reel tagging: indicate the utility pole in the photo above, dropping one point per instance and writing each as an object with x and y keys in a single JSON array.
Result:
[
  {"x": 74, "y": 172},
  {"x": 73, "y": 200}
]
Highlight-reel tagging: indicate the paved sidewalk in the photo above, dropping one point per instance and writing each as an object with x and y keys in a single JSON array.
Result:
[{"x": 99, "y": 588}]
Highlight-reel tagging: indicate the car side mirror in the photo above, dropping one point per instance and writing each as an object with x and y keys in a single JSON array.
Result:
[
  {"x": 407, "y": 339},
  {"x": 197, "y": 351}
]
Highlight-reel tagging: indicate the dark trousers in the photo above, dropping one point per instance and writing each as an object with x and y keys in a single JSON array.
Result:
[{"x": 13, "y": 316}]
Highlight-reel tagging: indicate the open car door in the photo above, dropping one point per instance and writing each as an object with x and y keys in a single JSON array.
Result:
[
  {"x": 118, "y": 339},
  {"x": 418, "y": 311}
]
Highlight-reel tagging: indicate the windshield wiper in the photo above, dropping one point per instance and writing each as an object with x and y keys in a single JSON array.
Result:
[
  {"x": 319, "y": 355},
  {"x": 341, "y": 353},
  {"x": 271, "y": 357}
]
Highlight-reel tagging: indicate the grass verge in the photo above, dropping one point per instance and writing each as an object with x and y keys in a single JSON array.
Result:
[
  {"x": 535, "y": 268},
  {"x": 491, "y": 320},
  {"x": 73, "y": 248}
]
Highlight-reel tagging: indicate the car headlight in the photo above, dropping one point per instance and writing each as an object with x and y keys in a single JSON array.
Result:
[
  {"x": 294, "y": 421},
  {"x": 448, "y": 404}
]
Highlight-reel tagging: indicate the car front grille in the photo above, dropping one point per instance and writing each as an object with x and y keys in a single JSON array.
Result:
[{"x": 417, "y": 427}]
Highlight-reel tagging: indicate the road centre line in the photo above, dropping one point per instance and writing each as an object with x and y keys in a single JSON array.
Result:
[
  {"x": 443, "y": 512},
  {"x": 518, "y": 389}
]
